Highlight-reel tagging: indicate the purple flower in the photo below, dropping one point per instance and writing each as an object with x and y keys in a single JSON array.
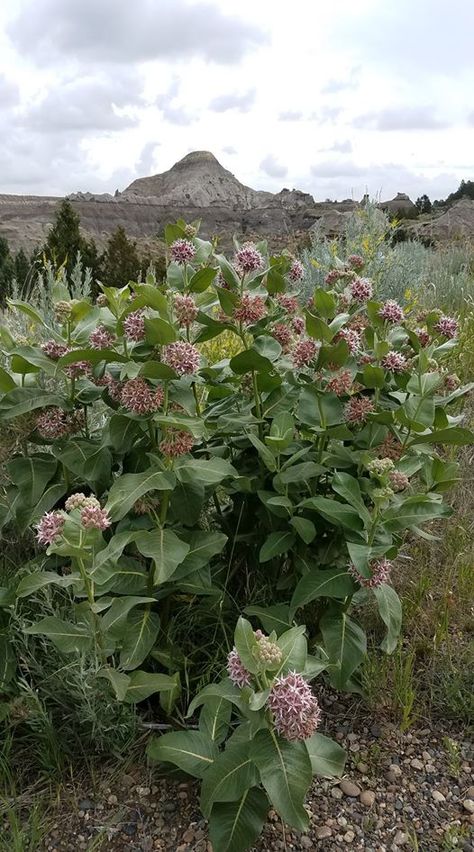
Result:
[
  {"x": 357, "y": 409},
  {"x": 304, "y": 352},
  {"x": 139, "y": 397},
  {"x": 296, "y": 271},
  {"x": 287, "y": 302},
  {"x": 380, "y": 573},
  {"x": 78, "y": 368},
  {"x": 50, "y": 527},
  {"x": 423, "y": 336},
  {"x": 185, "y": 308},
  {"x": 100, "y": 338},
  {"x": 182, "y": 357},
  {"x": 237, "y": 671},
  {"x": 248, "y": 258},
  {"x": 333, "y": 276},
  {"x": 398, "y": 480},
  {"x": 182, "y": 251},
  {"x": 352, "y": 338},
  {"x": 282, "y": 332},
  {"x": 447, "y": 326},
  {"x": 54, "y": 350},
  {"x": 395, "y": 362},
  {"x": 54, "y": 423},
  {"x": 176, "y": 442},
  {"x": 250, "y": 309},
  {"x": 340, "y": 383},
  {"x": 296, "y": 712},
  {"x": 391, "y": 311},
  {"x": 361, "y": 289},
  {"x": 298, "y": 325},
  {"x": 356, "y": 261},
  {"x": 95, "y": 518},
  {"x": 134, "y": 326}
]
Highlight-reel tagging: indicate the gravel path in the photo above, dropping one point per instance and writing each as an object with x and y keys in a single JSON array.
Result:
[{"x": 400, "y": 791}]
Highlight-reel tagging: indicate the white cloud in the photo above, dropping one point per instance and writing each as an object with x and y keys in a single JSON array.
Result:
[
  {"x": 401, "y": 118},
  {"x": 233, "y": 100},
  {"x": 272, "y": 167}
]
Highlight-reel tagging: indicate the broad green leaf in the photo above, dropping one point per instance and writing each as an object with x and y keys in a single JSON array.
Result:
[
  {"x": 275, "y": 617},
  {"x": 6, "y": 381},
  {"x": 249, "y": 360},
  {"x": 339, "y": 514},
  {"x": 224, "y": 689},
  {"x": 246, "y": 643},
  {"x": 121, "y": 433},
  {"x": 186, "y": 502},
  {"x": 236, "y": 826},
  {"x": 231, "y": 774},
  {"x": 295, "y": 648},
  {"x": 166, "y": 550},
  {"x": 455, "y": 435},
  {"x": 39, "y": 579},
  {"x": 31, "y": 475},
  {"x": 206, "y": 471},
  {"x": 317, "y": 328},
  {"x": 159, "y": 331},
  {"x": 329, "y": 583},
  {"x": 22, "y": 400},
  {"x": 390, "y": 610},
  {"x": 268, "y": 347},
  {"x": 119, "y": 681},
  {"x": 93, "y": 356},
  {"x": 25, "y": 308},
  {"x": 345, "y": 644},
  {"x": 191, "y": 751},
  {"x": 69, "y": 638},
  {"x": 264, "y": 452},
  {"x": 143, "y": 684},
  {"x": 214, "y": 719},
  {"x": 305, "y": 529},
  {"x": 114, "y": 619},
  {"x": 414, "y": 511},
  {"x": 127, "y": 489},
  {"x": 87, "y": 460},
  {"x": 275, "y": 544},
  {"x": 348, "y": 487},
  {"x": 285, "y": 772},
  {"x": 327, "y": 757},
  {"x": 141, "y": 631},
  {"x": 201, "y": 279},
  {"x": 301, "y": 473},
  {"x": 325, "y": 303},
  {"x": 203, "y": 545},
  {"x": 105, "y": 562}
]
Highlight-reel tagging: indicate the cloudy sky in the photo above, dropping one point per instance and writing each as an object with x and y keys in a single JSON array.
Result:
[{"x": 333, "y": 98}]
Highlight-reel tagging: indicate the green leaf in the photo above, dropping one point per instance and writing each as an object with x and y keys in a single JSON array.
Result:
[
  {"x": 32, "y": 474},
  {"x": 285, "y": 772},
  {"x": 143, "y": 684},
  {"x": 413, "y": 511},
  {"x": 455, "y": 435},
  {"x": 148, "y": 296},
  {"x": 203, "y": 545},
  {"x": 68, "y": 637},
  {"x": 7, "y": 661},
  {"x": 268, "y": 347},
  {"x": 305, "y": 529},
  {"x": 249, "y": 360},
  {"x": 114, "y": 619},
  {"x": 166, "y": 550},
  {"x": 295, "y": 649},
  {"x": 236, "y": 826},
  {"x": 127, "y": 489},
  {"x": 93, "y": 356},
  {"x": 275, "y": 617},
  {"x": 330, "y": 583},
  {"x": 25, "y": 308},
  {"x": 301, "y": 473},
  {"x": 214, "y": 719},
  {"x": 390, "y": 610},
  {"x": 191, "y": 751},
  {"x": 201, "y": 279},
  {"x": 317, "y": 328},
  {"x": 22, "y": 400},
  {"x": 119, "y": 681},
  {"x": 339, "y": 514},
  {"x": 275, "y": 544},
  {"x": 87, "y": 460},
  {"x": 264, "y": 452},
  {"x": 246, "y": 643},
  {"x": 159, "y": 331},
  {"x": 141, "y": 632},
  {"x": 345, "y": 644},
  {"x": 6, "y": 381},
  {"x": 39, "y": 579},
  {"x": 373, "y": 377},
  {"x": 206, "y": 471},
  {"x": 231, "y": 774},
  {"x": 327, "y": 757},
  {"x": 348, "y": 487},
  {"x": 225, "y": 689},
  {"x": 325, "y": 303}
]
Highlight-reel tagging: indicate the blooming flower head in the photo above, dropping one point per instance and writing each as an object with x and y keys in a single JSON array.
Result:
[
  {"x": 361, "y": 289},
  {"x": 398, "y": 480},
  {"x": 237, "y": 671},
  {"x": 357, "y": 409},
  {"x": 78, "y": 368},
  {"x": 296, "y": 271},
  {"x": 100, "y": 338},
  {"x": 451, "y": 382},
  {"x": 287, "y": 302},
  {"x": 355, "y": 261},
  {"x": 298, "y": 325},
  {"x": 248, "y": 258},
  {"x": 380, "y": 572},
  {"x": 380, "y": 467},
  {"x": 304, "y": 352},
  {"x": 176, "y": 442},
  {"x": 296, "y": 712},
  {"x": 250, "y": 309},
  {"x": 340, "y": 383},
  {"x": 352, "y": 338},
  {"x": 182, "y": 251},
  {"x": 344, "y": 300},
  {"x": 54, "y": 423},
  {"x": 137, "y": 396},
  {"x": 391, "y": 448},
  {"x": 282, "y": 332},
  {"x": 134, "y": 326},
  {"x": 395, "y": 362},
  {"x": 182, "y": 357},
  {"x": 333, "y": 276},
  {"x": 79, "y": 500},
  {"x": 447, "y": 326},
  {"x": 391, "y": 311},
  {"x": 54, "y": 350},
  {"x": 423, "y": 336},
  {"x": 50, "y": 527},
  {"x": 185, "y": 308},
  {"x": 95, "y": 518},
  {"x": 146, "y": 504}
]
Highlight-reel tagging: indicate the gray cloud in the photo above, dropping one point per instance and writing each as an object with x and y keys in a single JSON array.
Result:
[
  {"x": 272, "y": 167},
  {"x": 229, "y": 149},
  {"x": 145, "y": 162},
  {"x": 291, "y": 115},
  {"x": 173, "y": 113},
  {"x": 326, "y": 114},
  {"x": 233, "y": 100},
  {"x": 400, "y": 118},
  {"x": 337, "y": 168},
  {"x": 342, "y": 147},
  {"x": 470, "y": 119},
  {"x": 9, "y": 92},
  {"x": 124, "y": 32},
  {"x": 333, "y": 87}
]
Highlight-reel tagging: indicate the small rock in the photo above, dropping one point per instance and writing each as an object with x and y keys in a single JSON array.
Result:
[
  {"x": 143, "y": 791},
  {"x": 376, "y": 731},
  {"x": 400, "y": 839},
  {"x": 336, "y": 793},
  {"x": 437, "y": 796},
  {"x": 86, "y": 805},
  {"x": 468, "y": 805},
  {"x": 416, "y": 764},
  {"x": 130, "y": 828},
  {"x": 342, "y": 821},
  {"x": 349, "y": 788},
  {"x": 395, "y": 769},
  {"x": 349, "y": 836},
  {"x": 112, "y": 800},
  {"x": 470, "y": 793},
  {"x": 367, "y": 798},
  {"x": 306, "y": 842},
  {"x": 323, "y": 832},
  {"x": 362, "y": 768}
]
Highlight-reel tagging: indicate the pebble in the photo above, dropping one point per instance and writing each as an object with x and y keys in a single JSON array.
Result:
[
  {"x": 143, "y": 791},
  {"x": 323, "y": 832},
  {"x": 437, "y": 796},
  {"x": 416, "y": 764},
  {"x": 468, "y": 805},
  {"x": 400, "y": 839},
  {"x": 395, "y": 769},
  {"x": 362, "y": 768},
  {"x": 367, "y": 798},
  {"x": 349, "y": 836},
  {"x": 306, "y": 842},
  {"x": 112, "y": 800},
  {"x": 86, "y": 805},
  {"x": 336, "y": 793},
  {"x": 470, "y": 793},
  {"x": 349, "y": 788}
]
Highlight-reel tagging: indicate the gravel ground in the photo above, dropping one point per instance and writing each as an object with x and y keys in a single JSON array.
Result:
[{"x": 400, "y": 791}]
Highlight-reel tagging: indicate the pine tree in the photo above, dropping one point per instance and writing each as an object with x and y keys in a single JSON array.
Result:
[
  {"x": 121, "y": 262},
  {"x": 424, "y": 204}
]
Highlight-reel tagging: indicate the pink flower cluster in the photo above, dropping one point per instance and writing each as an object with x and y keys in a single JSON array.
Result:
[
  {"x": 340, "y": 383},
  {"x": 352, "y": 338},
  {"x": 296, "y": 271},
  {"x": 134, "y": 326},
  {"x": 282, "y": 333},
  {"x": 79, "y": 501},
  {"x": 361, "y": 289},
  {"x": 423, "y": 336},
  {"x": 182, "y": 251},
  {"x": 137, "y": 396},
  {"x": 248, "y": 258},
  {"x": 50, "y": 527},
  {"x": 176, "y": 442},
  {"x": 95, "y": 518},
  {"x": 296, "y": 712},
  {"x": 395, "y": 362},
  {"x": 182, "y": 357},
  {"x": 398, "y": 480},
  {"x": 54, "y": 350},
  {"x": 333, "y": 276},
  {"x": 101, "y": 338},
  {"x": 357, "y": 409},
  {"x": 304, "y": 352},
  {"x": 78, "y": 368},
  {"x": 355, "y": 261},
  {"x": 250, "y": 309},
  {"x": 185, "y": 308},
  {"x": 380, "y": 573},
  {"x": 451, "y": 382},
  {"x": 391, "y": 311},
  {"x": 237, "y": 671},
  {"x": 55, "y": 423},
  {"x": 287, "y": 302},
  {"x": 298, "y": 325},
  {"x": 447, "y": 326}
]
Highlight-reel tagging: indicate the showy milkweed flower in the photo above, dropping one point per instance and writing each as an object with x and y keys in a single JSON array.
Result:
[
  {"x": 182, "y": 251},
  {"x": 176, "y": 442},
  {"x": 352, "y": 338},
  {"x": 296, "y": 271},
  {"x": 380, "y": 573},
  {"x": 398, "y": 480},
  {"x": 63, "y": 310},
  {"x": 391, "y": 311},
  {"x": 237, "y": 671},
  {"x": 451, "y": 382},
  {"x": 447, "y": 326},
  {"x": 357, "y": 409},
  {"x": 101, "y": 338},
  {"x": 78, "y": 368},
  {"x": 395, "y": 362},
  {"x": 182, "y": 357},
  {"x": 380, "y": 467},
  {"x": 296, "y": 712},
  {"x": 287, "y": 302},
  {"x": 95, "y": 518},
  {"x": 50, "y": 527},
  {"x": 422, "y": 336},
  {"x": 134, "y": 326},
  {"x": 282, "y": 332},
  {"x": 340, "y": 383},
  {"x": 333, "y": 276},
  {"x": 250, "y": 309},
  {"x": 54, "y": 350},
  {"x": 54, "y": 423},
  {"x": 137, "y": 396},
  {"x": 298, "y": 325},
  {"x": 304, "y": 352},
  {"x": 391, "y": 448},
  {"x": 267, "y": 653},
  {"x": 356, "y": 261},
  {"x": 248, "y": 258},
  {"x": 361, "y": 289},
  {"x": 185, "y": 308},
  {"x": 79, "y": 501}
]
